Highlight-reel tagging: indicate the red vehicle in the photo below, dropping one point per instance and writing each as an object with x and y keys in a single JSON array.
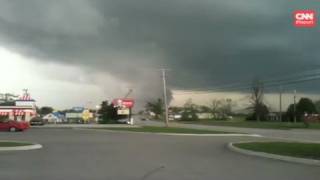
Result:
[{"x": 12, "y": 126}]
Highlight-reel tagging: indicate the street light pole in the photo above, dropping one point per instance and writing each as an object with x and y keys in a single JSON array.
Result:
[
  {"x": 294, "y": 106},
  {"x": 280, "y": 104},
  {"x": 165, "y": 97}
]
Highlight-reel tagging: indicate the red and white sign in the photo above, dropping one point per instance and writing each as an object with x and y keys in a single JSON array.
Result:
[
  {"x": 17, "y": 112},
  {"x": 304, "y": 18},
  {"x": 124, "y": 103},
  {"x": 26, "y": 97},
  {"x": 4, "y": 113}
]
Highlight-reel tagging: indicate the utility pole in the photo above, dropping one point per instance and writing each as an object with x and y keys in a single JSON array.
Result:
[
  {"x": 165, "y": 97},
  {"x": 294, "y": 107},
  {"x": 280, "y": 104}
]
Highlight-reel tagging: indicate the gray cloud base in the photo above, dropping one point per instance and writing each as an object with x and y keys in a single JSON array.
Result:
[{"x": 203, "y": 43}]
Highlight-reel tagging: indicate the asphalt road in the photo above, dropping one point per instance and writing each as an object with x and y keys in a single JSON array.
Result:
[
  {"x": 89, "y": 155},
  {"x": 294, "y": 134}
]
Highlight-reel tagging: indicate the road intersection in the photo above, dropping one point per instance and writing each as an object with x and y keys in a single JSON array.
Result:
[{"x": 70, "y": 153}]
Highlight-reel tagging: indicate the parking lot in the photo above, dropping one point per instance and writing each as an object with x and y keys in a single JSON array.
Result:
[{"x": 89, "y": 154}]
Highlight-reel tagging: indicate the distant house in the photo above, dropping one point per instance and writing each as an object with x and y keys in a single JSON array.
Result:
[
  {"x": 81, "y": 115},
  {"x": 173, "y": 117},
  {"x": 205, "y": 115},
  {"x": 54, "y": 117},
  {"x": 273, "y": 116}
]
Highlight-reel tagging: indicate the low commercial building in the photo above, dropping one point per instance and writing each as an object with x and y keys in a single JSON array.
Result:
[
  {"x": 80, "y": 115},
  {"x": 23, "y": 109},
  {"x": 74, "y": 117},
  {"x": 205, "y": 115}
]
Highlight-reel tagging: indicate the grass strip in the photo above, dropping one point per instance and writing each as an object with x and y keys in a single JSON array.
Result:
[
  {"x": 13, "y": 144},
  {"x": 253, "y": 124},
  {"x": 294, "y": 149}
]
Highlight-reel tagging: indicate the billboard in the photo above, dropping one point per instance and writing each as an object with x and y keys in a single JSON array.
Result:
[{"x": 123, "y": 103}]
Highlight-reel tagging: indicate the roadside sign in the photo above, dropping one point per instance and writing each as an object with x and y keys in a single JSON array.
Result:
[
  {"x": 86, "y": 115},
  {"x": 123, "y": 111},
  {"x": 123, "y": 102}
]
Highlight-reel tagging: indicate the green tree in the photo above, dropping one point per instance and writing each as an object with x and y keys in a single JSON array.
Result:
[
  {"x": 204, "y": 109},
  {"x": 290, "y": 113},
  {"x": 108, "y": 113},
  {"x": 45, "y": 110},
  {"x": 225, "y": 108},
  {"x": 156, "y": 107},
  {"x": 263, "y": 111},
  {"x": 305, "y": 105},
  {"x": 175, "y": 110},
  {"x": 317, "y": 104},
  {"x": 189, "y": 111},
  {"x": 219, "y": 108},
  {"x": 214, "y": 106},
  {"x": 259, "y": 109}
]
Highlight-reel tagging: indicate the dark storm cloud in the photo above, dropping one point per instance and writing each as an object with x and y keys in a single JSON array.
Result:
[{"x": 203, "y": 42}]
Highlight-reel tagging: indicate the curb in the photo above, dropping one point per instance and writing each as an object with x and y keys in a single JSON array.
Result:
[
  {"x": 21, "y": 148},
  {"x": 209, "y": 135},
  {"x": 73, "y": 126},
  {"x": 171, "y": 134},
  {"x": 312, "y": 162}
]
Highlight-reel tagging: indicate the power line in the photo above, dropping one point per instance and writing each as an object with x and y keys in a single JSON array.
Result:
[
  {"x": 294, "y": 106},
  {"x": 267, "y": 84}
]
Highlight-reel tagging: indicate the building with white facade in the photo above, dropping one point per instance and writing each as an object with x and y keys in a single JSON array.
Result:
[{"x": 23, "y": 109}]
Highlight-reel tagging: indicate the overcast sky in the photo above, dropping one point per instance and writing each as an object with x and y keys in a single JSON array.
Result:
[{"x": 80, "y": 52}]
